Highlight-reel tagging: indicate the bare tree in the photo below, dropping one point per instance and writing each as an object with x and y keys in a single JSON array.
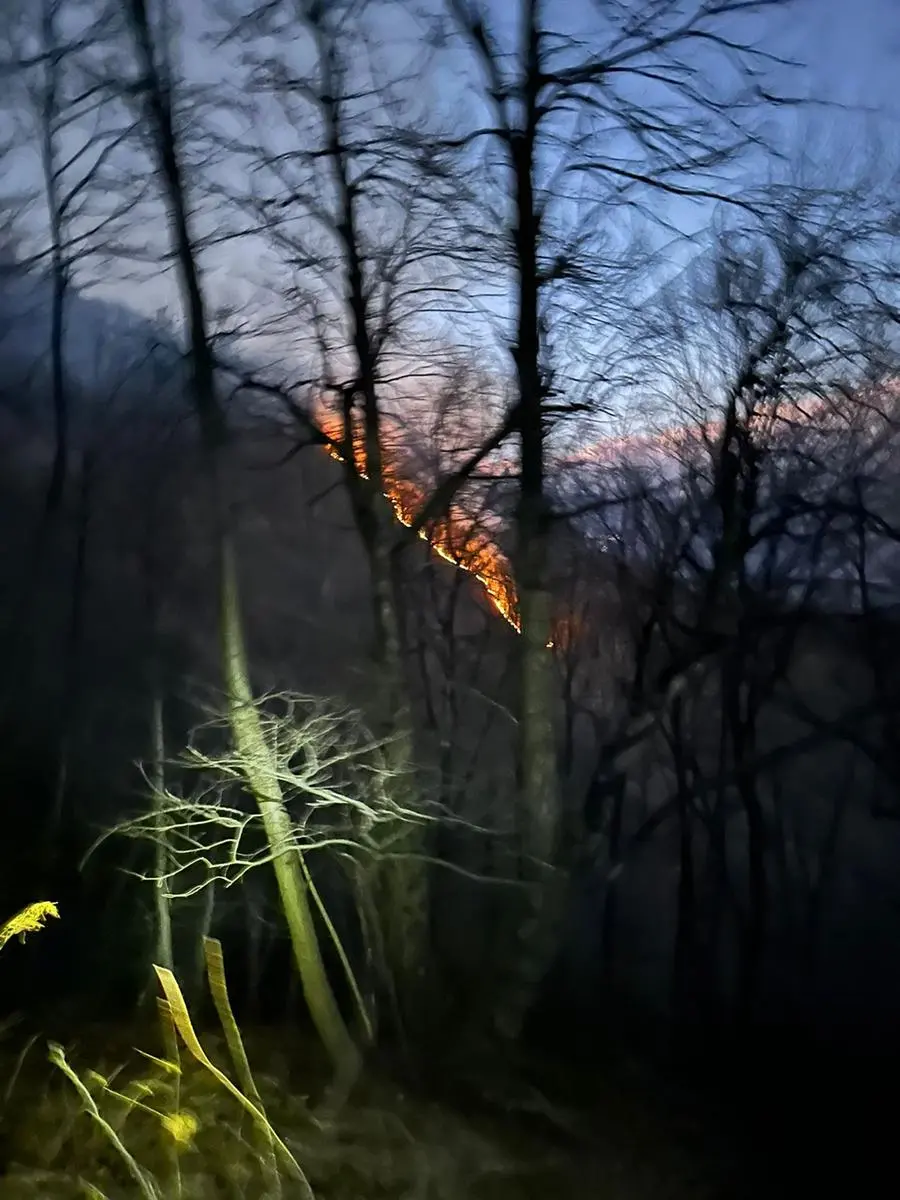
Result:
[
  {"x": 767, "y": 355},
  {"x": 54, "y": 103},
  {"x": 360, "y": 220},
  {"x": 156, "y": 90},
  {"x": 574, "y": 144},
  {"x": 51, "y": 64}
]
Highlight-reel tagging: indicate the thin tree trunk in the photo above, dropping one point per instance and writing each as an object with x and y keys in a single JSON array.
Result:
[
  {"x": 753, "y": 935},
  {"x": 686, "y": 914},
  {"x": 59, "y": 273},
  {"x": 609, "y": 919},
  {"x": 164, "y": 953},
  {"x": 33, "y": 585},
  {"x": 404, "y": 879},
  {"x": 72, "y": 653},
  {"x": 539, "y": 807},
  {"x": 243, "y": 715}
]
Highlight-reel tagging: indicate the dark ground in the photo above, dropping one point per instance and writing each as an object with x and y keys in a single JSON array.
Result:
[{"x": 768, "y": 1117}]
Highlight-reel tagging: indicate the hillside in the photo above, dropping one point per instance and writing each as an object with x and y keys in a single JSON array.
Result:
[
  {"x": 133, "y": 548},
  {"x": 135, "y": 514}
]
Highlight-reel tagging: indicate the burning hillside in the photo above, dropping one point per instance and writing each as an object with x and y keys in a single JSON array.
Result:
[
  {"x": 469, "y": 543},
  {"x": 456, "y": 537}
]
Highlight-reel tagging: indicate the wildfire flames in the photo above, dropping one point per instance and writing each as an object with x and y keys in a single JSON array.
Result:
[{"x": 455, "y": 536}]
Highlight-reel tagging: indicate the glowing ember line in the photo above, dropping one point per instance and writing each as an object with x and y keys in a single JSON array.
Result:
[{"x": 454, "y": 538}]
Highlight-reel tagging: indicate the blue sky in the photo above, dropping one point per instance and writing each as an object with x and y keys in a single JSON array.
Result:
[
  {"x": 852, "y": 52},
  {"x": 851, "y": 55}
]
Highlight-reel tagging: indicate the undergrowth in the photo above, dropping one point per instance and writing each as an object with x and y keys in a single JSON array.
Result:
[{"x": 191, "y": 1121}]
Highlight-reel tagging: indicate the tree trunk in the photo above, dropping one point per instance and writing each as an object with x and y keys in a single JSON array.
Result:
[
  {"x": 609, "y": 919},
  {"x": 539, "y": 808},
  {"x": 243, "y": 715},
  {"x": 683, "y": 991},
  {"x": 59, "y": 272},
  {"x": 71, "y": 666},
  {"x": 403, "y": 879},
  {"x": 754, "y": 932}
]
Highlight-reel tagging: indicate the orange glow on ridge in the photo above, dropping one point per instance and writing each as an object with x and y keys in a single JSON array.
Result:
[{"x": 453, "y": 537}]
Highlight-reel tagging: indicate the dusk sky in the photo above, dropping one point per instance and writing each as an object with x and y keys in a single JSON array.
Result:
[{"x": 851, "y": 52}]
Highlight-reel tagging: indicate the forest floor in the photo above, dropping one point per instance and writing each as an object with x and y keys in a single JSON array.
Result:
[
  {"x": 473, "y": 1135},
  {"x": 607, "y": 1128}
]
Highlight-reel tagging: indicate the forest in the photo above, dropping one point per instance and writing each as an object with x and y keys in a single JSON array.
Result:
[{"x": 449, "y": 601}]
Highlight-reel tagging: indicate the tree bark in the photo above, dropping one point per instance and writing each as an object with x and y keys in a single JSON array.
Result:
[{"x": 243, "y": 716}]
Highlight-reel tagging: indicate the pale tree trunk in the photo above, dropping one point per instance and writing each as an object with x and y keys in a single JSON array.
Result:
[
  {"x": 165, "y": 954},
  {"x": 256, "y": 755},
  {"x": 402, "y": 880}
]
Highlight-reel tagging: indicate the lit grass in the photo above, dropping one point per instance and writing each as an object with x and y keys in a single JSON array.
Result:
[
  {"x": 385, "y": 1143},
  {"x": 158, "y": 1095},
  {"x": 171, "y": 1125}
]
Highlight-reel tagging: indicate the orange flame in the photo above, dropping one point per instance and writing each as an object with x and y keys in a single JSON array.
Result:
[{"x": 454, "y": 536}]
